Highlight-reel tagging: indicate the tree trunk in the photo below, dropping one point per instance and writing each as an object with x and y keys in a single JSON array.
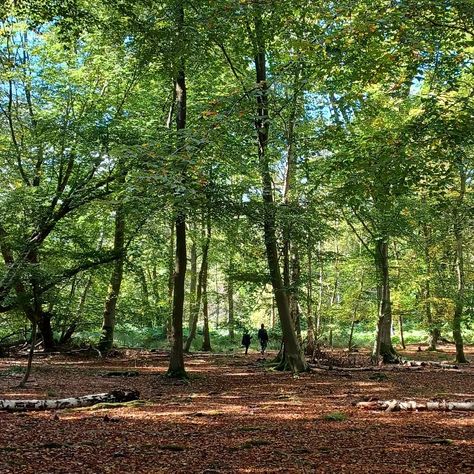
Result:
[
  {"x": 171, "y": 275},
  {"x": 294, "y": 300},
  {"x": 230, "y": 301},
  {"x": 294, "y": 359},
  {"x": 26, "y": 376},
  {"x": 192, "y": 282},
  {"x": 434, "y": 331},
  {"x": 197, "y": 303},
  {"x": 399, "y": 279},
  {"x": 44, "y": 325},
  {"x": 459, "y": 300},
  {"x": 108, "y": 324},
  {"x": 319, "y": 308},
  {"x": 206, "y": 343},
  {"x": 334, "y": 296},
  {"x": 383, "y": 344},
  {"x": 309, "y": 305},
  {"x": 176, "y": 365}
]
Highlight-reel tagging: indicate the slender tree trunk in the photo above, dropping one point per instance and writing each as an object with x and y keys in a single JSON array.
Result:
[
  {"x": 319, "y": 308},
  {"x": 434, "y": 331},
  {"x": 197, "y": 303},
  {"x": 383, "y": 345},
  {"x": 171, "y": 276},
  {"x": 459, "y": 300},
  {"x": 309, "y": 304},
  {"x": 230, "y": 301},
  {"x": 334, "y": 295},
  {"x": 26, "y": 376},
  {"x": 108, "y": 323},
  {"x": 192, "y": 282},
  {"x": 176, "y": 365},
  {"x": 294, "y": 300},
  {"x": 399, "y": 279},
  {"x": 206, "y": 343},
  {"x": 294, "y": 359}
]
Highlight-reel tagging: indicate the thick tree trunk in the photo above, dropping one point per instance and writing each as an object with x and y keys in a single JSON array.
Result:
[
  {"x": 108, "y": 324},
  {"x": 44, "y": 325},
  {"x": 294, "y": 359},
  {"x": 115, "y": 396},
  {"x": 176, "y": 365},
  {"x": 383, "y": 344}
]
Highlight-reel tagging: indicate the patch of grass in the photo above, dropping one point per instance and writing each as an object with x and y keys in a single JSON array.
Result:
[
  {"x": 12, "y": 371},
  {"x": 51, "y": 392},
  {"x": 335, "y": 416}
]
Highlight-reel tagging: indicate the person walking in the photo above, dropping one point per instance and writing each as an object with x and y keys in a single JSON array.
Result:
[
  {"x": 263, "y": 338},
  {"x": 246, "y": 341}
]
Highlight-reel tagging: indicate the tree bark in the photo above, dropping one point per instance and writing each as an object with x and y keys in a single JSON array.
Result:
[{"x": 293, "y": 357}]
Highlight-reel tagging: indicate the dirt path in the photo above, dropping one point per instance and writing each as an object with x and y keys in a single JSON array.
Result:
[{"x": 233, "y": 417}]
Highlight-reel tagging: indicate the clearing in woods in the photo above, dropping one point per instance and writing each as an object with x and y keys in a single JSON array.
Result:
[{"x": 235, "y": 416}]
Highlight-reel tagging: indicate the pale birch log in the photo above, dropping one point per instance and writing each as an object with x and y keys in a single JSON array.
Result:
[
  {"x": 398, "y": 405},
  {"x": 114, "y": 396}
]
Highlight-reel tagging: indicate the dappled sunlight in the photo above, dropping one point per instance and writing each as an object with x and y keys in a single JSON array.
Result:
[{"x": 234, "y": 411}]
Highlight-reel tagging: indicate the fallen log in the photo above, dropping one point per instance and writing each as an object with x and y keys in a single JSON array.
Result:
[
  {"x": 411, "y": 405},
  {"x": 74, "y": 402},
  {"x": 428, "y": 363}
]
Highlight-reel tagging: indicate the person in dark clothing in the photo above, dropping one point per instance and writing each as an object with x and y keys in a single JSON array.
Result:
[
  {"x": 263, "y": 338},
  {"x": 246, "y": 341}
]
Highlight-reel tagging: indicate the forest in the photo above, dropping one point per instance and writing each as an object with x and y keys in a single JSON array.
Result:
[{"x": 177, "y": 173}]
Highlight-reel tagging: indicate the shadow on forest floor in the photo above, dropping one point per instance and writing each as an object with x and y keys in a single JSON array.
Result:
[{"x": 234, "y": 415}]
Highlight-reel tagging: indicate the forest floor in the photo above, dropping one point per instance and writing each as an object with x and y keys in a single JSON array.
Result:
[{"x": 235, "y": 416}]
